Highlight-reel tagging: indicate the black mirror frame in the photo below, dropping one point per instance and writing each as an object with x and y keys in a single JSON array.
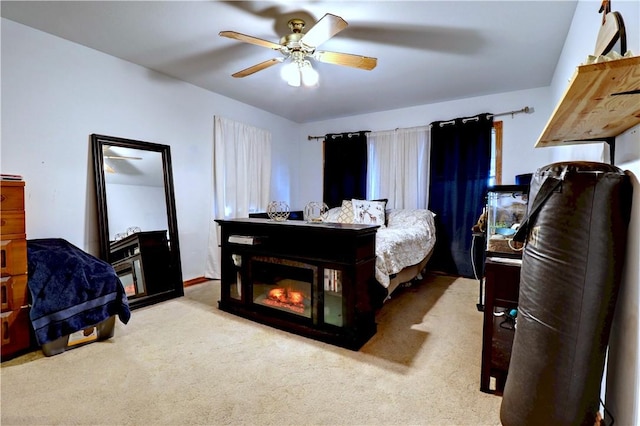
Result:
[{"x": 98, "y": 142}]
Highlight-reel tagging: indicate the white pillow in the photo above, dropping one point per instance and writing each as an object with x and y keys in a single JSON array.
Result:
[
  {"x": 369, "y": 212},
  {"x": 332, "y": 215}
]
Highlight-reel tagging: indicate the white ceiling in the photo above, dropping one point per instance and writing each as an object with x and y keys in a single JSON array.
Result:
[{"x": 428, "y": 51}]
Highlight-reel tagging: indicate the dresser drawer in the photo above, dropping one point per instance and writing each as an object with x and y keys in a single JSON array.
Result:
[
  {"x": 15, "y": 327},
  {"x": 13, "y": 257},
  {"x": 11, "y": 196},
  {"x": 12, "y": 222},
  {"x": 14, "y": 293}
]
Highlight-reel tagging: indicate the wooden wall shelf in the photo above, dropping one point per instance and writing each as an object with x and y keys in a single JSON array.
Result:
[{"x": 597, "y": 105}]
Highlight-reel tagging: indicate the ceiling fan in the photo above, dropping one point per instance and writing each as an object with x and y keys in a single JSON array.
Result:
[
  {"x": 108, "y": 154},
  {"x": 299, "y": 46}
]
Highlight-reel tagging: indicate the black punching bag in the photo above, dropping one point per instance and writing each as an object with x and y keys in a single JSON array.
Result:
[{"x": 575, "y": 233}]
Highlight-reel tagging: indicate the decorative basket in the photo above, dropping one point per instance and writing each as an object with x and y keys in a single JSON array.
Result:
[{"x": 278, "y": 211}]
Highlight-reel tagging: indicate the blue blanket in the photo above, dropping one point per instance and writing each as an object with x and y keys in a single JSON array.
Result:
[{"x": 70, "y": 289}]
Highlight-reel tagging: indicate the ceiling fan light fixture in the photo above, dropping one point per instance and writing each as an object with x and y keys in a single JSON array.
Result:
[
  {"x": 310, "y": 76},
  {"x": 291, "y": 74},
  {"x": 299, "y": 72},
  {"x": 294, "y": 80}
]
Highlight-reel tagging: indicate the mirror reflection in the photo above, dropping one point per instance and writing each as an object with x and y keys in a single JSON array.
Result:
[
  {"x": 134, "y": 178},
  {"x": 137, "y": 219}
]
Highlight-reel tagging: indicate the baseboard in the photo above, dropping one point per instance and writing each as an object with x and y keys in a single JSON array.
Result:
[{"x": 195, "y": 281}]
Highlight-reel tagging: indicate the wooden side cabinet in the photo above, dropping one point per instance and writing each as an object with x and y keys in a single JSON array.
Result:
[
  {"x": 14, "y": 318},
  {"x": 502, "y": 286}
]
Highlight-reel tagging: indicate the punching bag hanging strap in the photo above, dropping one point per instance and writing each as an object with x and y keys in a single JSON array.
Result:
[{"x": 547, "y": 188}]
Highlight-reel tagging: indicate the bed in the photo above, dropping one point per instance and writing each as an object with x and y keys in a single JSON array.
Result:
[{"x": 404, "y": 242}]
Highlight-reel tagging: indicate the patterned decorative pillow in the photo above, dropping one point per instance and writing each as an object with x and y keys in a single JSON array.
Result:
[
  {"x": 369, "y": 212},
  {"x": 332, "y": 215},
  {"x": 346, "y": 212}
]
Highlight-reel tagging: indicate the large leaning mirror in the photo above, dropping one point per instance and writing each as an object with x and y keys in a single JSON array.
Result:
[{"x": 137, "y": 217}]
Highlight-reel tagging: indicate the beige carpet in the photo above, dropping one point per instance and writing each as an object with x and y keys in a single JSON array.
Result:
[{"x": 184, "y": 362}]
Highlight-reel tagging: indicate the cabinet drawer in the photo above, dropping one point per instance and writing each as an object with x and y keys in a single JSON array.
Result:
[
  {"x": 13, "y": 292},
  {"x": 12, "y": 222},
  {"x": 15, "y": 327},
  {"x": 13, "y": 257},
  {"x": 11, "y": 197}
]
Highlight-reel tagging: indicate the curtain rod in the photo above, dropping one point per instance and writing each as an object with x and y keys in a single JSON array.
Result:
[
  {"x": 309, "y": 137},
  {"x": 476, "y": 118},
  {"x": 524, "y": 110}
]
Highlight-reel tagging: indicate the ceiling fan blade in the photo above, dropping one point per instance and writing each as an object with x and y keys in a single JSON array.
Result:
[
  {"x": 346, "y": 59},
  {"x": 250, "y": 39},
  {"x": 257, "y": 67},
  {"x": 328, "y": 26},
  {"x": 121, "y": 157}
]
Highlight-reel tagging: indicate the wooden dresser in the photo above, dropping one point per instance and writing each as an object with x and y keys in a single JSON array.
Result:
[{"x": 15, "y": 325}]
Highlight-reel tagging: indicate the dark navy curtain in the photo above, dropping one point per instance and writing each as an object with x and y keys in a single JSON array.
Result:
[
  {"x": 460, "y": 167},
  {"x": 345, "y": 167}
]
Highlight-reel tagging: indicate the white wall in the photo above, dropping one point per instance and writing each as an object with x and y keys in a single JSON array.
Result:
[
  {"x": 623, "y": 378},
  {"x": 56, "y": 93}
]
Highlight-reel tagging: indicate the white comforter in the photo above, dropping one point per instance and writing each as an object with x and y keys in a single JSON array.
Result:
[{"x": 408, "y": 238}]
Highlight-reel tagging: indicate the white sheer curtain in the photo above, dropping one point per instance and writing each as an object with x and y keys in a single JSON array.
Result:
[
  {"x": 398, "y": 167},
  {"x": 241, "y": 178}
]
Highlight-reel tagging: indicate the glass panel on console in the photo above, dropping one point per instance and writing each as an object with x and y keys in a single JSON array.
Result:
[
  {"x": 333, "y": 297},
  {"x": 235, "y": 288}
]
